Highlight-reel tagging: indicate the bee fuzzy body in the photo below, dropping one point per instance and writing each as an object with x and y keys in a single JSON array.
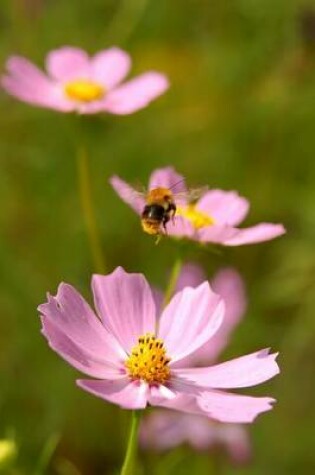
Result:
[{"x": 158, "y": 211}]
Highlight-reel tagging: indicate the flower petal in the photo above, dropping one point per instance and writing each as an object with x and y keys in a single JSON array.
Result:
[
  {"x": 183, "y": 402},
  {"x": 48, "y": 97},
  {"x": 225, "y": 207},
  {"x": 164, "y": 429},
  {"x": 26, "y": 72},
  {"x": 67, "y": 63},
  {"x": 136, "y": 94},
  {"x": 128, "y": 194},
  {"x": 229, "y": 284},
  {"x": 183, "y": 385},
  {"x": 110, "y": 66},
  {"x": 189, "y": 320},
  {"x": 225, "y": 407},
  {"x": 26, "y": 82},
  {"x": 259, "y": 233},
  {"x": 191, "y": 275},
  {"x": 123, "y": 392},
  {"x": 160, "y": 392},
  {"x": 180, "y": 227},
  {"x": 80, "y": 357},
  {"x": 125, "y": 304},
  {"x": 217, "y": 234},
  {"x": 236, "y": 440},
  {"x": 69, "y": 313},
  {"x": 167, "y": 178},
  {"x": 241, "y": 372},
  {"x": 158, "y": 297}
]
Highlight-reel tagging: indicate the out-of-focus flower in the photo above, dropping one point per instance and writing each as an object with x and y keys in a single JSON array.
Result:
[
  {"x": 136, "y": 357},
  {"x": 164, "y": 429},
  {"x": 87, "y": 85},
  {"x": 227, "y": 283},
  {"x": 8, "y": 452},
  {"x": 211, "y": 219}
]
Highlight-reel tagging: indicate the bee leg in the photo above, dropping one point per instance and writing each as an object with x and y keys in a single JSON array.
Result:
[
  {"x": 164, "y": 223},
  {"x": 172, "y": 212},
  {"x": 158, "y": 239}
]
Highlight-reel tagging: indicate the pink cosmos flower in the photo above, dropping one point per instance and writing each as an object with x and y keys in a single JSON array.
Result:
[
  {"x": 132, "y": 353},
  {"x": 213, "y": 218},
  {"x": 87, "y": 85},
  {"x": 166, "y": 429}
]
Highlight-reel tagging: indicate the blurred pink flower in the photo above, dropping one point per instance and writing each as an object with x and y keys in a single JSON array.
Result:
[
  {"x": 227, "y": 283},
  {"x": 164, "y": 429},
  {"x": 87, "y": 85},
  {"x": 213, "y": 218},
  {"x": 132, "y": 354}
]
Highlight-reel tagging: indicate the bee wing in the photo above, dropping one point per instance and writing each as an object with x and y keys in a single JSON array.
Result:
[
  {"x": 191, "y": 195},
  {"x": 134, "y": 198}
]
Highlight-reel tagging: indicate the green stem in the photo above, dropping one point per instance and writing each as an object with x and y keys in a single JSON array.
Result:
[
  {"x": 88, "y": 211},
  {"x": 47, "y": 454},
  {"x": 173, "y": 280},
  {"x": 129, "y": 465}
]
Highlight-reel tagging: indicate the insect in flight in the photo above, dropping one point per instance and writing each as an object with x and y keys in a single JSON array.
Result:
[{"x": 161, "y": 206}]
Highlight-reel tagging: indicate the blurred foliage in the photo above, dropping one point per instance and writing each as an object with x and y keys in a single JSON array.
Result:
[{"x": 240, "y": 115}]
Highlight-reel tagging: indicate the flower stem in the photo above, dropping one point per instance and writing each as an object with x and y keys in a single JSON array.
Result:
[
  {"x": 129, "y": 465},
  {"x": 85, "y": 191},
  {"x": 46, "y": 454},
  {"x": 173, "y": 280}
]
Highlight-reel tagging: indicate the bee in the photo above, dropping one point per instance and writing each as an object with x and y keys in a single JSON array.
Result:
[{"x": 161, "y": 207}]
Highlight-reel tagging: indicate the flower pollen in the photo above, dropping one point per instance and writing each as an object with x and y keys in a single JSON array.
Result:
[
  {"x": 197, "y": 218},
  {"x": 84, "y": 90},
  {"x": 148, "y": 360}
]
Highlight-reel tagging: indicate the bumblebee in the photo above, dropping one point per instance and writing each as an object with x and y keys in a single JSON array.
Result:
[{"x": 160, "y": 208}]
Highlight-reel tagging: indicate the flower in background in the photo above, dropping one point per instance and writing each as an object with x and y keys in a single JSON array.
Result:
[
  {"x": 87, "y": 85},
  {"x": 136, "y": 357},
  {"x": 164, "y": 429},
  {"x": 213, "y": 218}
]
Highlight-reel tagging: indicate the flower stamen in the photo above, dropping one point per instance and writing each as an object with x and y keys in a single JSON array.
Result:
[
  {"x": 84, "y": 90},
  {"x": 148, "y": 360},
  {"x": 197, "y": 218}
]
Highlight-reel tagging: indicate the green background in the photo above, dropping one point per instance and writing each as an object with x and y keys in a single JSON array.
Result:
[{"x": 239, "y": 115}]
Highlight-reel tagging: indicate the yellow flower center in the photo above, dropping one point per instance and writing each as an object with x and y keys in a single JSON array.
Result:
[
  {"x": 148, "y": 360},
  {"x": 197, "y": 218},
  {"x": 84, "y": 90}
]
